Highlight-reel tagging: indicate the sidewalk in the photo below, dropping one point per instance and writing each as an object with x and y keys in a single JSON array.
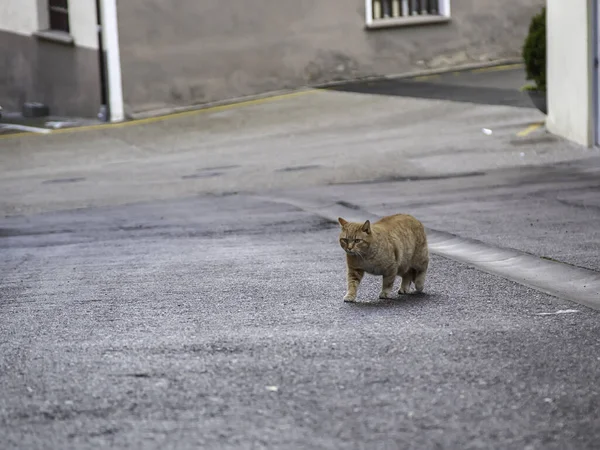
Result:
[{"x": 16, "y": 123}]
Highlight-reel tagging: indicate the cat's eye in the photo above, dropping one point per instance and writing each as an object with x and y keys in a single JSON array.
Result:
[
  {"x": 358, "y": 240},
  {"x": 344, "y": 240}
]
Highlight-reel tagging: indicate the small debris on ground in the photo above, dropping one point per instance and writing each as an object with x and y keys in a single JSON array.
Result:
[
  {"x": 560, "y": 311},
  {"x": 59, "y": 124}
]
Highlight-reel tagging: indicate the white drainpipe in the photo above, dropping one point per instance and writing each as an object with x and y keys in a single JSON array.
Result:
[{"x": 110, "y": 35}]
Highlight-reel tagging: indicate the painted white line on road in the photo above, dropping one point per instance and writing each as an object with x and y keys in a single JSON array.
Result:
[
  {"x": 14, "y": 126},
  {"x": 555, "y": 278}
]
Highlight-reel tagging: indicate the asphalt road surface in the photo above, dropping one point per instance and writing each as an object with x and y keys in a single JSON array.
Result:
[
  {"x": 489, "y": 86},
  {"x": 153, "y": 296},
  {"x": 218, "y": 322}
]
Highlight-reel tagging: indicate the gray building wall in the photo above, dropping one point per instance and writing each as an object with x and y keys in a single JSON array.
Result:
[
  {"x": 64, "y": 77},
  {"x": 182, "y": 52}
]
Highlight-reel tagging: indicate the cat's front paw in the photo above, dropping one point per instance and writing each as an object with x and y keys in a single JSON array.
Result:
[
  {"x": 349, "y": 298},
  {"x": 385, "y": 295},
  {"x": 404, "y": 291}
]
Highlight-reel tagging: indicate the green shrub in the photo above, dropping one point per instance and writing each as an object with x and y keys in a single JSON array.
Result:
[{"x": 534, "y": 50}]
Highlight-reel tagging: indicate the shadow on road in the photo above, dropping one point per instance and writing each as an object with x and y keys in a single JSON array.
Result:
[
  {"x": 403, "y": 301},
  {"x": 494, "y": 86}
]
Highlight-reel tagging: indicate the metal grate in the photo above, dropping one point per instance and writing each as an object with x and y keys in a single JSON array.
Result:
[
  {"x": 386, "y": 9},
  {"x": 58, "y": 11}
]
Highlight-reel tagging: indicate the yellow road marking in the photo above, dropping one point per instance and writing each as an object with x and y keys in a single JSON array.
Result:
[
  {"x": 530, "y": 129},
  {"x": 426, "y": 77},
  {"x": 498, "y": 68},
  {"x": 164, "y": 117}
]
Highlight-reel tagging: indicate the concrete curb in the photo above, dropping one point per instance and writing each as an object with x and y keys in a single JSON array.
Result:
[
  {"x": 458, "y": 68},
  {"x": 551, "y": 277},
  {"x": 227, "y": 102}
]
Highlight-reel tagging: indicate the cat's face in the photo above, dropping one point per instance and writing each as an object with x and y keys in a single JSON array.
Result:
[{"x": 355, "y": 238}]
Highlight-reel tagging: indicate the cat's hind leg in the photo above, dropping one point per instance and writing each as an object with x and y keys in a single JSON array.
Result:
[
  {"x": 421, "y": 264},
  {"x": 407, "y": 279},
  {"x": 420, "y": 280},
  {"x": 388, "y": 286}
]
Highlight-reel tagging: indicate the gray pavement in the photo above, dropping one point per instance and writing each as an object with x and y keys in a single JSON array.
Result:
[
  {"x": 219, "y": 323},
  {"x": 153, "y": 295}
]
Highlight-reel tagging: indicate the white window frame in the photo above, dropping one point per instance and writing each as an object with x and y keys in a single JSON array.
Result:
[
  {"x": 443, "y": 15},
  {"x": 44, "y": 31}
]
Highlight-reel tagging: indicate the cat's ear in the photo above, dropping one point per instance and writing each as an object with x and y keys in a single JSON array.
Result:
[
  {"x": 342, "y": 221},
  {"x": 366, "y": 227}
]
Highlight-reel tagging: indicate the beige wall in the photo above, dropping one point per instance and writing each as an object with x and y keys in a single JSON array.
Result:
[
  {"x": 82, "y": 17},
  {"x": 569, "y": 65},
  {"x": 19, "y": 16},
  {"x": 181, "y": 52}
]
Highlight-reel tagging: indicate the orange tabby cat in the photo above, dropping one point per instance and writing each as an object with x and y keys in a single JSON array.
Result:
[{"x": 393, "y": 246}]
